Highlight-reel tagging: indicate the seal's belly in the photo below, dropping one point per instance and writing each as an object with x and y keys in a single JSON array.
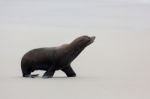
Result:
[{"x": 42, "y": 67}]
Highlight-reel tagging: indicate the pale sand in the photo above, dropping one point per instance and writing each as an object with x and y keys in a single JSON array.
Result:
[{"x": 116, "y": 66}]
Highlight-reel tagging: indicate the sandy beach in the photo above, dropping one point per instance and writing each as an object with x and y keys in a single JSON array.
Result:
[{"x": 115, "y": 66}]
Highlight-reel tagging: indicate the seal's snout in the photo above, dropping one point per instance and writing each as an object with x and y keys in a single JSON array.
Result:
[{"x": 92, "y": 39}]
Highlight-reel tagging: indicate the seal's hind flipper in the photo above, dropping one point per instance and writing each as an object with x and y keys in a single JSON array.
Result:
[
  {"x": 31, "y": 76},
  {"x": 34, "y": 75}
]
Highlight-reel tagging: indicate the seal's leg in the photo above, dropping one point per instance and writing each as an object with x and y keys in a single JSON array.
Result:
[
  {"x": 26, "y": 72},
  {"x": 69, "y": 71},
  {"x": 50, "y": 72}
]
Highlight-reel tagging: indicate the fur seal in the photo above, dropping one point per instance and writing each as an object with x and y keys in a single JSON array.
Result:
[{"x": 51, "y": 59}]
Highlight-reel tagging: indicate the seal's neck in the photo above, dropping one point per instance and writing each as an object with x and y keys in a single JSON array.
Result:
[
  {"x": 73, "y": 52},
  {"x": 68, "y": 53}
]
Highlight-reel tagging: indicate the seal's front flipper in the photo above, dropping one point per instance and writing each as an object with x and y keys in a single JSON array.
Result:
[{"x": 69, "y": 71}]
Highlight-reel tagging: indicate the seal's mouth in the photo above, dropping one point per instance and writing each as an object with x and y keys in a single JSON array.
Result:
[{"x": 92, "y": 38}]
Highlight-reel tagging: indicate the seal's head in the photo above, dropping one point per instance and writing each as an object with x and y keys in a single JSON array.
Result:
[
  {"x": 72, "y": 50},
  {"x": 84, "y": 41}
]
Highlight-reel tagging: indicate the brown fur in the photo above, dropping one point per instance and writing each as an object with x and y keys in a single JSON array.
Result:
[{"x": 54, "y": 58}]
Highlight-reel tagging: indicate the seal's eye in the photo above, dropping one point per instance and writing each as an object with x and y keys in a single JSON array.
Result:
[{"x": 86, "y": 37}]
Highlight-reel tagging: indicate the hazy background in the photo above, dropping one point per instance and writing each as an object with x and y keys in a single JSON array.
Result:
[{"x": 115, "y": 66}]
